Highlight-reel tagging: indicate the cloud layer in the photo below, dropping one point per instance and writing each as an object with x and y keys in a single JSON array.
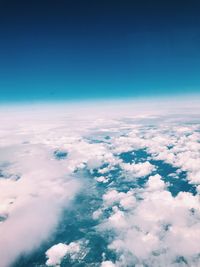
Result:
[{"x": 144, "y": 169}]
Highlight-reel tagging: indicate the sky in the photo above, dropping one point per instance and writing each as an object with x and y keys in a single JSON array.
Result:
[{"x": 80, "y": 50}]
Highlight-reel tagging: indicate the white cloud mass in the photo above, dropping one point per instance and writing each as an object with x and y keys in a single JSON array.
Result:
[
  {"x": 56, "y": 253},
  {"x": 150, "y": 225}
]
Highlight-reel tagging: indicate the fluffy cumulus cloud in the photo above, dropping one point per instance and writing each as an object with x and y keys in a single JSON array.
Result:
[
  {"x": 138, "y": 170},
  {"x": 56, "y": 253},
  {"x": 142, "y": 167},
  {"x": 158, "y": 230},
  {"x": 126, "y": 200}
]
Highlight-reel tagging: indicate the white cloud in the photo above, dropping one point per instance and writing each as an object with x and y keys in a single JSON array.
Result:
[
  {"x": 159, "y": 227},
  {"x": 41, "y": 189},
  {"x": 155, "y": 183},
  {"x": 158, "y": 223},
  {"x": 107, "y": 264},
  {"x": 117, "y": 219},
  {"x": 57, "y": 252},
  {"x": 138, "y": 169},
  {"x": 101, "y": 179}
]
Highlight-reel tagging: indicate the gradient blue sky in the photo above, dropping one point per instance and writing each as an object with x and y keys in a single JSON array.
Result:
[{"x": 75, "y": 49}]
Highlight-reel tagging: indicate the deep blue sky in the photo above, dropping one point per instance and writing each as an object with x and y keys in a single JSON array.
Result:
[{"x": 98, "y": 49}]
